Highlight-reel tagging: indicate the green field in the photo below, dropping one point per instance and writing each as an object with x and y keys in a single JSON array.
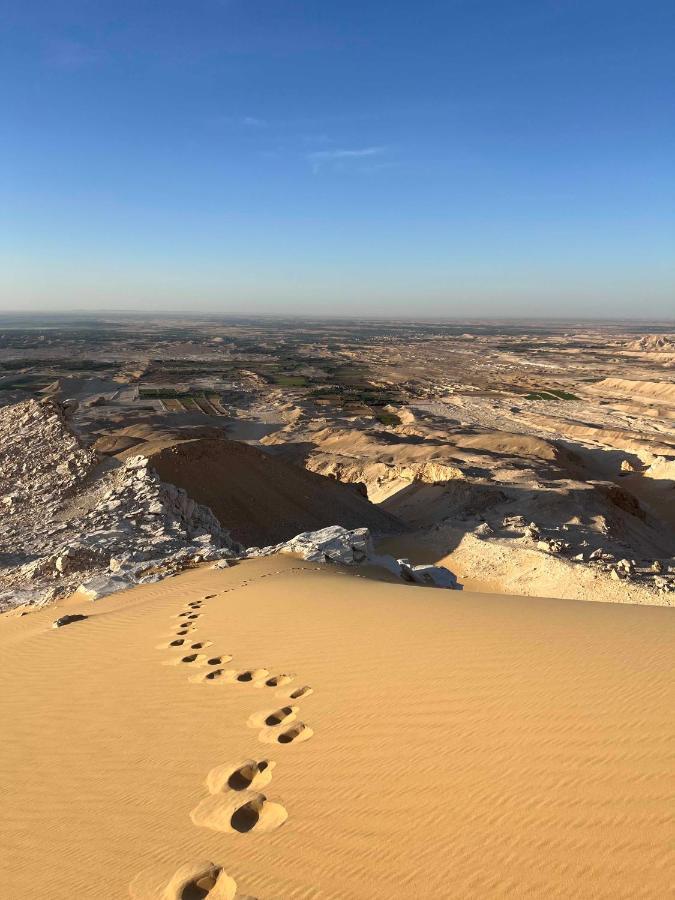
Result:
[
  {"x": 550, "y": 395},
  {"x": 290, "y": 380}
]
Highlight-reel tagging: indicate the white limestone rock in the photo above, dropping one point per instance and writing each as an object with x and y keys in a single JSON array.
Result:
[
  {"x": 433, "y": 576},
  {"x": 103, "y": 586},
  {"x": 342, "y": 546}
]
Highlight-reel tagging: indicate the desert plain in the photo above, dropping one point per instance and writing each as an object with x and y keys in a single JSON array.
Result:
[{"x": 224, "y": 711}]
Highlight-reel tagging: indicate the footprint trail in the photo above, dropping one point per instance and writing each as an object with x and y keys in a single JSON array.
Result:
[{"x": 234, "y": 803}]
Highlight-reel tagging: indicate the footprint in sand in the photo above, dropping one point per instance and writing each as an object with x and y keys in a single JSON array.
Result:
[
  {"x": 214, "y": 674},
  {"x": 283, "y": 734},
  {"x": 295, "y": 693},
  {"x": 278, "y": 680},
  {"x": 182, "y": 642},
  {"x": 200, "y": 881},
  {"x": 242, "y": 812},
  {"x": 243, "y": 776},
  {"x": 178, "y": 642},
  {"x": 245, "y": 676},
  {"x": 233, "y": 676},
  {"x": 272, "y": 718},
  {"x": 191, "y": 659}
]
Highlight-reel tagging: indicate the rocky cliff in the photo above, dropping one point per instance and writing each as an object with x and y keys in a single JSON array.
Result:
[{"x": 68, "y": 518}]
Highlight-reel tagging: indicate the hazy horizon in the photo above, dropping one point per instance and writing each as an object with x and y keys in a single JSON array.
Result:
[
  {"x": 489, "y": 159},
  {"x": 86, "y": 314}
]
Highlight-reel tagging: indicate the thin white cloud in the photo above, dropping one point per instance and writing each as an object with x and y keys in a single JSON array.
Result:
[
  {"x": 339, "y": 157},
  {"x": 345, "y": 154},
  {"x": 238, "y": 121}
]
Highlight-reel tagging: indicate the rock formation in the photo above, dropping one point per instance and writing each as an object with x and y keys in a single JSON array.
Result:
[
  {"x": 70, "y": 520},
  {"x": 339, "y": 545}
]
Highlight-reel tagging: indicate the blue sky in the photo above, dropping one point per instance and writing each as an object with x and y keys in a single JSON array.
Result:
[{"x": 456, "y": 158}]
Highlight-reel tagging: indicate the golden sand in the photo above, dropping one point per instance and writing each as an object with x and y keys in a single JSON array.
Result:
[{"x": 335, "y": 737}]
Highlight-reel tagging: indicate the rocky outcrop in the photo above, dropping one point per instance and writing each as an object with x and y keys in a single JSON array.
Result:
[
  {"x": 334, "y": 544},
  {"x": 654, "y": 343},
  {"x": 341, "y": 546},
  {"x": 261, "y": 498},
  {"x": 433, "y": 576},
  {"x": 70, "y": 520},
  {"x": 376, "y": 475}
]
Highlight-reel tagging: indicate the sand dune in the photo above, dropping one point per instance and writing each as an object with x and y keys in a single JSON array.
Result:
[
  {"x": 365, "y": 739},
  {"x": 260, "y": 499}
]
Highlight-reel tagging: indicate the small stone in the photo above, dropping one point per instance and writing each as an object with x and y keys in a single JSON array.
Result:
[
  {"x": 66, "y": 620},
  {"x": 513, "y": 522}
]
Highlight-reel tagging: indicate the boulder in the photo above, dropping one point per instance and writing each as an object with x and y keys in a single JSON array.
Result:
[
  {"x": 341, "y": 546},
  {"x": 332, "y": 544},
  {"x": 532, "y": 532},
  {"x": 514, "y": 522},
  {"x": 102, "y": 586},
  {"x": 626, "y": 566},
  {"x": 434, "y": 576}
]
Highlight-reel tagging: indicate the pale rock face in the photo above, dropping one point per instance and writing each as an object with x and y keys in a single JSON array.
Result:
[
  {"x": 431, "y": 473},
  {"x": 69, "y": 519},
  {"x": 331, "y": 544},
  {"x": 71, "y": 522},
  {"x": 342, "y": 546},
  {"x": 434, "y": 576},
  {"x": 102, "y": 586}
]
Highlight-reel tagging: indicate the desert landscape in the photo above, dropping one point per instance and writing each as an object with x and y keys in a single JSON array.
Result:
[
  {"x": 336, "y": 609},
  {"x": 337, "y": 450},
  {"x": 529, "y": 458}
]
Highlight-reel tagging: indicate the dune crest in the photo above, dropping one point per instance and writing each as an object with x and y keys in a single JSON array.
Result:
[{"x": 461, "y": 744}]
